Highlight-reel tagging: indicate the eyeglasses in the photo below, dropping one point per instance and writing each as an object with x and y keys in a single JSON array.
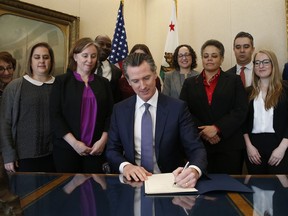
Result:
[
  {"x": 186, "y": 55},
  {"x": 265, "y": 62},
  {"x": 8, "y": 68}
]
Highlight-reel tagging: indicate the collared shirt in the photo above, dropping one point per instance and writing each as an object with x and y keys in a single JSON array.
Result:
[
  {"x": 38, "y": 83},
  {"x": 106, "y": 70},
  {"x": 139, "y": 110},
  {"x": 210, "y": 85},
  {"x": 248, "y": 73},
  {"x": 263, "y": 119}
]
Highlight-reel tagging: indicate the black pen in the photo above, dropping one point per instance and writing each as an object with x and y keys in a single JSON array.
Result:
[{"x": 185, "y": 167}]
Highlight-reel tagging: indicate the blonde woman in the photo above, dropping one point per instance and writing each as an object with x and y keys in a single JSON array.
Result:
[{"x": 266, "y": 128}]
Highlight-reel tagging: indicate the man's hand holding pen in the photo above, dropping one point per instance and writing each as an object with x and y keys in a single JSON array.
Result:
[{"x": 186, "y": 177}]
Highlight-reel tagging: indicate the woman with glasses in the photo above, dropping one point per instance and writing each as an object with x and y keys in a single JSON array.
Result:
[
  {"x": 7, "y": 67},
  {"x": 266, "y": 127},
  {"x": 184, "y": 62},
  {"x": 25, "y": 124},
  {"x": 218, "y": 104}
]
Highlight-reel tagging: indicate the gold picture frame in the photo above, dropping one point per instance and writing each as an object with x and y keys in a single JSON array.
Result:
[
  {"x": 23, "y": 24},
  {"x": 286, "y": 8}
]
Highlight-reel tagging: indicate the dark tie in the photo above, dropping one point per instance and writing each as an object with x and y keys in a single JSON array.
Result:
[
  {"x": 99, "y": 70},
  {"x": 242, "y": 75},
  {"x": 146, "y": 157},
  {"x": 147, "y": 140}
]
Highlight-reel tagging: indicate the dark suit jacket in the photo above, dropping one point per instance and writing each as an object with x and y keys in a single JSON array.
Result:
[
  {"x": 116, "y": 74},
  {"x": 66, "y": 100},
  {"x": 227, "y": 111},
  {"x": 285, "y": 72},
  {"x": 232, "y": 70},
  {"x": 176, "y": 137},
  {"x": 280, "y": 117}
]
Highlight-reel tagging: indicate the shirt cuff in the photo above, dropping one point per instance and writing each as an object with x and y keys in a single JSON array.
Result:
[
  {"x": 197, "y": 169},
  {"x": 121, "y": 167}
]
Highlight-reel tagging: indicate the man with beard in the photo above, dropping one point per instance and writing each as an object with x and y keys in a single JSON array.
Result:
[{"x": 107, "y": 69}]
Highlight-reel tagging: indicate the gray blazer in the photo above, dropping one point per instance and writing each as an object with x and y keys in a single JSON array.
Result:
[{"x": 173, "y": 82}]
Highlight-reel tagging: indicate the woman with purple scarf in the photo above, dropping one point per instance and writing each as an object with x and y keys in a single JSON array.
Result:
[{"x": 81, "y": 105}]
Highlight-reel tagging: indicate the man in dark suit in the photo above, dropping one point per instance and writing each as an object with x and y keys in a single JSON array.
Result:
[
  {"x": 107, "y": 69},
  {"x": 285, "y": 72},
  {"x": 243, "y": 49},
  {"x": 175, "y": 138}
]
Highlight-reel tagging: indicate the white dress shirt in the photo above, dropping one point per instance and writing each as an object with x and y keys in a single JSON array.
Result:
[
  {"x": 263, "y": 119},
  {"x": 106, "y": 70},
  {"x": 139, "y": 110},
  {"x": 248, "y": 73}
]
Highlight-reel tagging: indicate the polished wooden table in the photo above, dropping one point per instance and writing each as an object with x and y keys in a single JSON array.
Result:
[{"x": 43, "y": 194}]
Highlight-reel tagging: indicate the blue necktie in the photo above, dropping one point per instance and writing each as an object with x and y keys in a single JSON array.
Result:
[
  {"x": 147, "y": 140},
  {"x": 146, "y": 157}
]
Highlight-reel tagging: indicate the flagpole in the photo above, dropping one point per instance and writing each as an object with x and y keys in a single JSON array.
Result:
[
  {"x": 122, "y": 2},
  {"x": 171, "y": 42},
  {"x": 176, "y": 5}
]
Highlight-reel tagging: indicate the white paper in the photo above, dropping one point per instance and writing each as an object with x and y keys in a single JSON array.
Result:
[{"x": 164, "y": 184}]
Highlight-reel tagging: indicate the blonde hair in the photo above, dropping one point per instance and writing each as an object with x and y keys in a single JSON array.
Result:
[{"x": 275, "y": 83}]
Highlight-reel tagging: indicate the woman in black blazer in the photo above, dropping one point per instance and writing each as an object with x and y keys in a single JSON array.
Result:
[
  {"x": 218, "y": 104},
  {"x": 81, "y": 105},
  {"x": 266, "y": 128}
]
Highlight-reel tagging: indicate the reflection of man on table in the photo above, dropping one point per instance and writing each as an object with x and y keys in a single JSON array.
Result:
[
  {"x": 123, "y": 198},
  {"x": 174, "y": 138}
]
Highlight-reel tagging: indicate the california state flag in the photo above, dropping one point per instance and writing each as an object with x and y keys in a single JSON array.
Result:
[{"x": 171, "y": 43}]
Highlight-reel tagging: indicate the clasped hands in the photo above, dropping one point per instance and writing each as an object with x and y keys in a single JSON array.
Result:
[
  {"x": 209, "y": 133},
  {"x": 84, "y": 150},
  {"x": 184, "y": 178}
]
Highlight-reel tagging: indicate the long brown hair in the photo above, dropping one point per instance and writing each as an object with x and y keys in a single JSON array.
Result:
[{"x": 275, "y": 84}]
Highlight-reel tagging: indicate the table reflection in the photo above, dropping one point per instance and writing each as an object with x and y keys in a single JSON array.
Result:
[
  {"x": 9, "y": 202},
  {"x": 270, "y": 194},
  {"x": 79, "y": 194}
]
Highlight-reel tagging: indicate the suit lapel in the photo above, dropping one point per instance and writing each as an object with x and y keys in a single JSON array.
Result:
[
  {"x": 177, "y": 81},
  {"x": 161, "y": 117},
  {"x": 200, "y": 90},
  {"x": 128, "y": 117},
  {"x": 221, "y": 85}
]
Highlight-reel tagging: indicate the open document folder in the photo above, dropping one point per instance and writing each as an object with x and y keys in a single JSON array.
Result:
[{"x": 163, "y": 183}]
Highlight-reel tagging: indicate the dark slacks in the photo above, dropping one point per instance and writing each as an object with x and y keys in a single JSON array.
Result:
[
  {"x": 228, "y": 162},
  {"x": 41, "y": 164},
  {"x": 67, "y": 160},
  {"x": 266, "y": 143}
]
